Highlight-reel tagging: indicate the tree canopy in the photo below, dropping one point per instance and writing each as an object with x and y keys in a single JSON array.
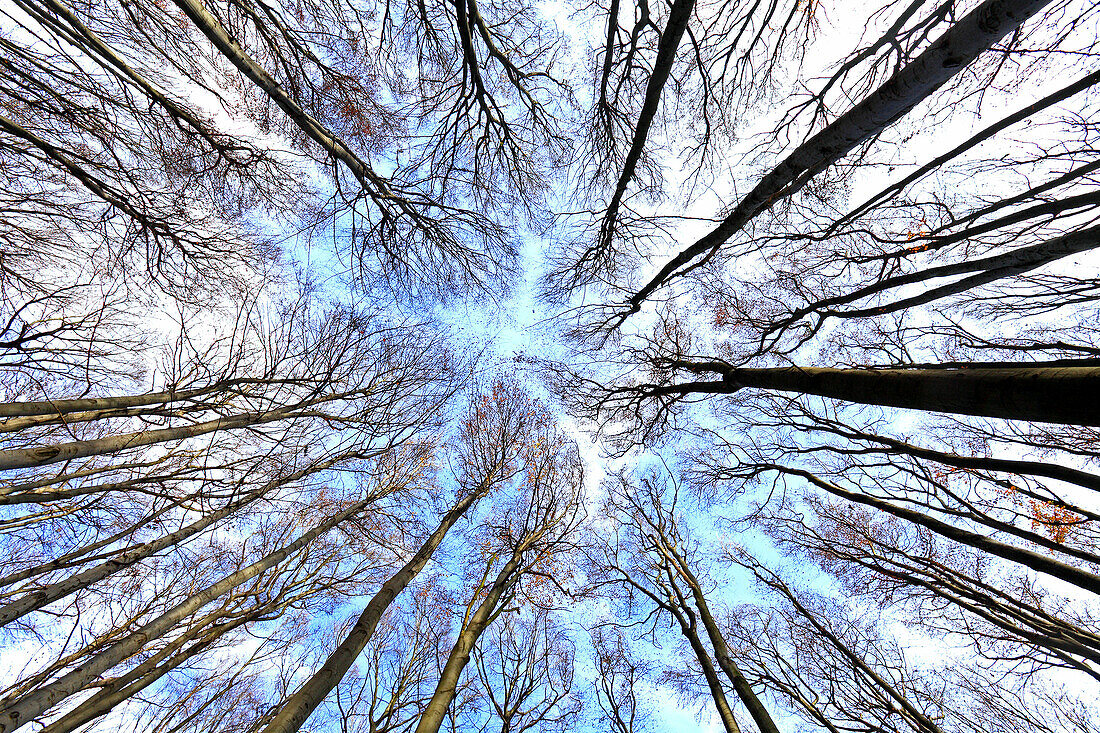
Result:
[{"x": 398, "y": 367}]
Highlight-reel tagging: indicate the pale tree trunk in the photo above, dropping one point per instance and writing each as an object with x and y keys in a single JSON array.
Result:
[
  {"x": 218, "y": 35},
  {"x": 44, "y": 455},
  {"x": 16, "y": 713},
  {"x": 987, "y": 270},
  {"x": 297, "y": 709},
  {"x": 947, "y": 56},
  {"x": 73, "y": 556},
  {"x": 677, "y": 564},
  {"x": 146, "y": 673},
  {"x": 744, "y": 690},
  {"x": 436, "y": 710},
  {"x": 42, "y": 597},
  {"x": 44, "y": 408},
  {"x": 714, "y": 684}
]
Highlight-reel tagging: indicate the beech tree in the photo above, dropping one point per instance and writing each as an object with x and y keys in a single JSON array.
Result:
[
  {"x": 305, "y": 307},
  {"x": 502, "y": 436},
  {"x": 654, "y": 561},
  {"x": 520, "y": 550}
]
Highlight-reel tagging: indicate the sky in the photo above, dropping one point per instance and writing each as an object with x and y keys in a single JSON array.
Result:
[{"x": 509, "y": 333}]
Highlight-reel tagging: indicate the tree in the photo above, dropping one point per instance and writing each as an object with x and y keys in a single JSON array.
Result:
[
  {"x": 517, "y": 554},
  {"x": 656, "y": 561},
  {"x": 525, "y": 668},
  {"x": 500, "y": 434}
]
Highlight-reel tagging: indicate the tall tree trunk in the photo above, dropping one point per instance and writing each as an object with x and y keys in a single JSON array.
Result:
[
  {"x": 73, "y": 556},
  {"x": 54, "y": 408},
  {"x": 1066, "y": 395},
  {"x": 741, "y": 685},
  {"x": 435, "y": 711},
  {"x": 145, "y": 674},
  {"x": 18, "y": 712},
  {"x": 987, "y": 269},
  {"x": 710, "y": 674},
  {"x": 677, "y": 566},
  {"x": 218, "y": 35},
  {"x": 42, "y": 597},
  {"x": 947, "y": 56},
  {"x": 44, "y": 455},
  {"x": 297, "y": 709},
  {"x": 678, "y": 17}
]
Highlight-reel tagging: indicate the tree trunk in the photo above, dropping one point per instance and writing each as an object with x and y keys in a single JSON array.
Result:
[
  {"x": 721, "y": 703},
  {"x": 947, "y": 56},
  {"x": 432, "y": 717},
  {"x": 988, "y": 269},
  {"x": 744, "y": 690},
  {"x": 678, "y": 17},
  {"x": 149, "y": 671},
  {"x": 218, "y": 35},
  {"x": 297, "y": 709},
  {"x": 94, "y": 404},
  {"x": 44, "y": 455},
  {"x": 1063, "y": 395},
  {"x": 18, "y": 712},
  {"x": 55, "y": 591}
]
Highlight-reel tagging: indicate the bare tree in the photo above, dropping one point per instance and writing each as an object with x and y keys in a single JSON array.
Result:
[
  {"x": 496, "y": 436},
  {"x": 519, "y": 548},
  {"x": 656, "y": 561},
  {"x": 525, "y": 665}
]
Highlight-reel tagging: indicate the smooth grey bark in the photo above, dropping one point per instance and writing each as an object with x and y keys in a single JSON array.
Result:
[
  {"x": 44, "y": 455},
  {"x": 297, "y": 709},
  {"x": 44, "y": 596},
  {"x": 722, "y": 654},
  {"x": 80, "y": 34},
  {"x": 436, "y": 709},
  {"x": 943, "y": 59},
  {"x": 1050, "y": 100},
  {"x": 95, "y": 404},
  {"x": 18, "y": 712},
  {"x": 45, "y": 497},
  {"x": 63, "y": 478},
  {"x": 73, "y": 557},
  {"x": 710, "y": 674},
  {"x": 987, "y": 270},
  {"x": 1066, "y": 395},
  {"x": 143, "y": 675}
]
